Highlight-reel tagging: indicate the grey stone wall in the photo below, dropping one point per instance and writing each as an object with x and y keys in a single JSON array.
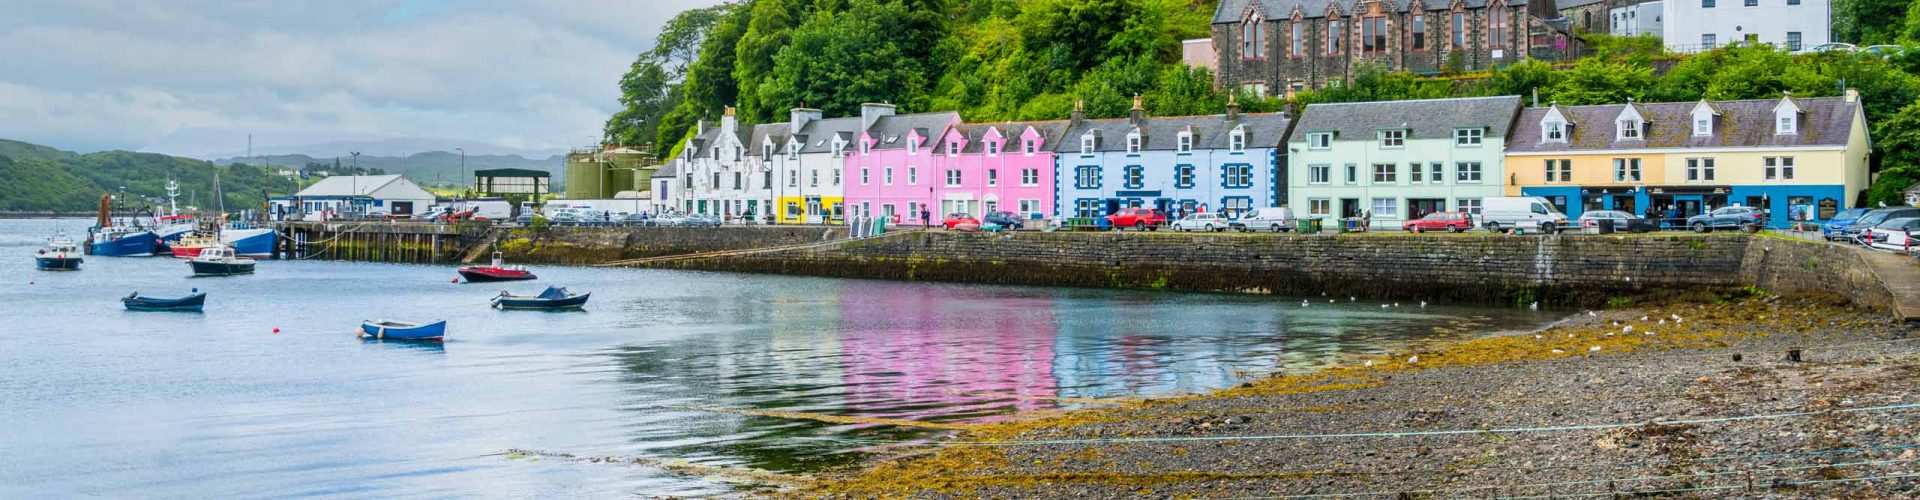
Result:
[
  {"x": 1785, "y": 266},
  {"x": 590, "y": 245}
]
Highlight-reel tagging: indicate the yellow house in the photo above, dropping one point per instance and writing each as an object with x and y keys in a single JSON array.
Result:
[{"x": 1798, "y": 158}]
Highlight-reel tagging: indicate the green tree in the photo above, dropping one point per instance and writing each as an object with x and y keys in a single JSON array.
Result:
[
  {"x": 1869, "y": 22},
  {"x": 1597, "y": 81},
  {"x": 1184, "y": 90},
  {"x": 837, "y": 60},
  {"x": 1520, "y": 78},
  {"x": 768, "y": 24}
]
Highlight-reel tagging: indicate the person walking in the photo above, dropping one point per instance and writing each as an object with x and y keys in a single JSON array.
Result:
[{"x": 926, "y": 218}]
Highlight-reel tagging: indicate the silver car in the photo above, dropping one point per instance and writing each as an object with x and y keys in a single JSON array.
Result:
[{"x": 1210, "y": 222}]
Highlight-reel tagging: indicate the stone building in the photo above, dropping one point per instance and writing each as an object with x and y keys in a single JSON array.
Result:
[{"x": 1274, "y": 47}]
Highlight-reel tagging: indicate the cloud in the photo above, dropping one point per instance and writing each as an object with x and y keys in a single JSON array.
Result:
[{"x": 193, "y": 77}]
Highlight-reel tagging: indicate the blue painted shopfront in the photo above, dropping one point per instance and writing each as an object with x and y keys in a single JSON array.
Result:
[{"x": 1785, "y": 204}]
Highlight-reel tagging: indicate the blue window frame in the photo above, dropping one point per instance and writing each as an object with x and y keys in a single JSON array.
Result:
[
  {"x": 1183, "y": 176},
  {"x": 1236, "y": 176},
  {"x": 1136, "y": 177},
  {"x": 1086, "y": 177},
  {"x": 1087, "y": 207}
]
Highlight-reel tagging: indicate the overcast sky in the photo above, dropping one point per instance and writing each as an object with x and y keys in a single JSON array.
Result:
[{"x": 193, "y": 77}]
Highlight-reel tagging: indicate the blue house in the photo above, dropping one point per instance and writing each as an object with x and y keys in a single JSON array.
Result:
[{"x": 1220, "y": 163}]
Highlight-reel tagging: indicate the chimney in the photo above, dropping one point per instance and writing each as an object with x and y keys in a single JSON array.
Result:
[
  {"x": 727, "y": 120},
  {"x": 1536, "y": 97},
  {"x": 1079, "y": 111},
  {"x": 1137, "y": 115},
  {"x": 871, "y": 112},
  {"x": 798, "y": 118},
  {"x": 1233, "y": 109},
  {"x": 700, "y": 127},
  {"x": 1853, "y": 95}
]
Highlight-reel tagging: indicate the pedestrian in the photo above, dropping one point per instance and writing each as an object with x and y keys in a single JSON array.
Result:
[{"x": 926, "y": 218}]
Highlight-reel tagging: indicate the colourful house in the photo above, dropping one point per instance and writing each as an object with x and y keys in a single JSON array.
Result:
[
  {"x": 1003, "y": 167},
  {"x": 1229, "y": 163},
  {"x": 811, "y": 187},
  {"x": 1791, "y": 156},
  {"x": 891, "y": 171},
  {"x": 1399, "y": 160}
]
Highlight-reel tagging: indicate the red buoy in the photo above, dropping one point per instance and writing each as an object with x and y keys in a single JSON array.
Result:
[{"x": 276, "y": 330}]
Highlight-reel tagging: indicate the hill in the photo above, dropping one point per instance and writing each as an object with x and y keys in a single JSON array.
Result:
[
  {"x": 39, "y": 178},
  {"x": 27, "y": 151},
  {"x": 433, "y": 167}
]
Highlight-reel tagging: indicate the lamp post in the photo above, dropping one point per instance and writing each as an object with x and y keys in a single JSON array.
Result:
[
  {"x": 463, "y": 167},
  {"x": 353, "y": 194}
]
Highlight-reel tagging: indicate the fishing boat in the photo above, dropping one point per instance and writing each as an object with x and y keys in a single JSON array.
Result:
[
  {"x": 128, "y": 239},
  {"x": 554, "y": 297},
  {"x": 497, "y": 271},
  {"x": 61, "y": 254},
  {"x": 173, "y": 228},
  {"x": 386, "y": 329},
  {"x": 191, "y": 302},
  {"x": 220, "y": 261}
]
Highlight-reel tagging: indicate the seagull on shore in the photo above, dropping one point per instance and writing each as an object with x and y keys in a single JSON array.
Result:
[
  {"x": 1649, "y": 333},
  {"x": 1303, "y": 303},
  {"x": 1423, "y": 304},
  {"x": 1593, "y": 349},
  {"x": 1628, "y": 329},
  {"x": 1537, "y": 337},
  {"x": 1643, "y": 318},
  {"x": 1616, "y": 323},
  {"x": 1661, "y": 322},
  {"x": 1590, "y": 314},
  {"x": 1383, "y": 306},
  {"x": 1369, "y": 363},
  {"x": 1534, "y": 306},
  {"x": 1396, "y": 304},
  {"x": 1414, "y": 359},
  {"x": 1351, "y": 298},
  {"x": 1557, "y": 351}
]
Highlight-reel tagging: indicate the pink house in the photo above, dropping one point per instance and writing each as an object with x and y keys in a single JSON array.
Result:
[
  {"x": 934, "y": 163},
  {"x": 891, "y": 171}
]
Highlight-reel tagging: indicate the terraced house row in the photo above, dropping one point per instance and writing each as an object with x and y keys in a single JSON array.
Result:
[{"x": 1800, "y": 158}]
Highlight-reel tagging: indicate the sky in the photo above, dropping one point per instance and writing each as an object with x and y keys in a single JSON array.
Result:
[{"x": 195, "y": 77}]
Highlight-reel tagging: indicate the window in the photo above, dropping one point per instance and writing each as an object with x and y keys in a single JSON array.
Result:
[
  {"x": 793, "y": 151},
  {"x": 1185, "y": 143},
  {"x": 1373, "y": 34},
  {"x": 863, "y": 176},
  {"x": 912, "y": 147},
  {"x": 1467, "y": 171},
  {"x": 1353, "y": 173},
  {"x": 793, "y": 179},
  {"x": 1086, "y": 177},
  {"x": 1415, "y": 173},
  {"x": 1183, "y": 176},
  {"x": 1706, "y": 40},
  {"x": 1469, "y": 205},
  {"x": 1238, "y": 176},
  {"x": 1784, "y": 125},
  {"x": 1779, "y": 168},
  {"x": 1393, "y": 138},
  {"x": 1559, "y": 170},
  {"x": 1793, "y": 40},
  {"x": 1133, "y": 143},
  {"x": 836, "y": 176},
  {"x": 887, "y": 177},
  {"x": 1029, "y": 177},
  {"x": 953, "y": 177},
  {"x": 1133, "y": 176},
  {"x": 1029, "y": 147},
  {"x": 913, "y": 210},
  {"x": 1459, "y": 30},
  {"x": 1386, "y": 207},
  {"x": 1753, "y": 3},
  {"x": 1299, "y": 39},
  {"x": 1419, "y": 32},
  {"x": 1497, "y": 16},
  {"x": 863, "y": 147},
  {"x": 1556, "y": 132},
  {"x": 1029, "y": 206},
  {"x": 1706, "y": 4},
  {"x": 738, "y": 180},
  {"x": 813, "y": 178},
  {"x": 1703, "y": 125},
  {"x": 1468, "y": 137},
  {"x": 1385, "y": 173},
  {"x": 1626, "y": 170},
  {"x": 766, "y": 179},
  {"x": 1237, "y": 141},
  {"x": 1333, "y": 37},
  {"x": 992, "y": 147},
  {"x": 953, "y": 148},
  {"x": 1086, "y": 144},
  {"x": 1319, "y": 206},
  {"x": 913, "y": 176},
  {"x": 1436, "y": 172},
  {"x": 993, "y": 177},
  {"x": 1086, "y": 208},
  {"x": 1253, "y": 40},
  {"x": 1699, "y": 169},
  {"x": 1319, "y": 174},
  {"x": 1793, "y": 2},
  {"x": 1319, "y": 140},
  {"x": 766, "y": 151},
  {"x": 1629, "y": 129}
]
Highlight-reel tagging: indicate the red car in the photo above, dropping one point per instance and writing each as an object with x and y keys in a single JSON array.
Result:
[
  {"x": 1138, "y": 218},
  {"x": 960, "y": 219},
  {"x": 1440, "y": 221}
]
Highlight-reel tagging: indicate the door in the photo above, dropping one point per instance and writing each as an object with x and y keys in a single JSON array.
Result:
[
  {"x": 402, "y": 208},
  {"x": 1350, "y": 208},
  {"x": 1420, "y": 207}
]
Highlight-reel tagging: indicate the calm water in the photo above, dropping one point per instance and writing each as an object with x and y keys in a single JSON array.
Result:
[{"x": 95, "y": 400}]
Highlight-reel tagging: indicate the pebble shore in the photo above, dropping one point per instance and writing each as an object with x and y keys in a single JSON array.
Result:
[{"x": 1698, "y": 399}]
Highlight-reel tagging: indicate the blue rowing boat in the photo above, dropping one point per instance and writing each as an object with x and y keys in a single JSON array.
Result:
[
  {"x": 191, "y": 303},
  {"x": 553, "y": 298},
  {"x": 387, "y": 329}
]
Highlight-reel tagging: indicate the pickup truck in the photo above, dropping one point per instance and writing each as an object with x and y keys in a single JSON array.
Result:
[{"x": 1141, "y": 219}]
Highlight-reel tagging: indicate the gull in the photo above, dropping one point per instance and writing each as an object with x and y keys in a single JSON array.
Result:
[
  {"x": 1593, "y": 349},
  {"x": 1557, "y": 351},
  {"x": 1569, "y": 335},
  {"x": 1616, "y": 323},
  {"x": 1303, "y": 303},
  {"x": 1661, "y": 322},
  {"x": 1369, "y": 363},
  {"x": 1675, "y": 317},
  {"x": 1351, "y": 298},
  {"x": 1679, "y": 321},
  {"x": 1423, "y": 303},
  {"x": 1643, "y": 318},
  {"x": 1414, "y": 359},
  {"x": 1649, "y": 332},
  {"x": 1396, "y": 304},
  {"x": 1329, "y": 301},
  {"x": 1534, "y": 306},
  {"x": 1537, "y": 337},
  {"x": 1383, "y": 306},
  {"x": 1590, "y": 314},
  {"x": 1628, "y": 329}
]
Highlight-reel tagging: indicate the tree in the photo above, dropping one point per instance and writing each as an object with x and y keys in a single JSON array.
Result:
[
  {"x": 1869, "y": 22},
  {"x": 1596, "y": 81},
  {"x": 1185, "y": 90},
  {"x": 837, "y": 60},
  {"x": 768, "y": 24},
  {"x": 650, "y": 88},
  {"x": 1520, "y": 78}
]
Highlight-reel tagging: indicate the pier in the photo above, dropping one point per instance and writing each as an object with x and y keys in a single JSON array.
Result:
[{"x": 376, "y": 241}]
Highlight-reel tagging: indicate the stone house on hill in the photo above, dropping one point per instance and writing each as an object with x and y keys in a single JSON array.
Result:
[{"x": 1273, "y": 47}]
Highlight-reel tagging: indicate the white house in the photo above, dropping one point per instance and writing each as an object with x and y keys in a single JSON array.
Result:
[
  {"x": 1638, "y": 19},
  {"x": 727, "y": 179},
  {"x": 666, "y": 194},
  {"x": 1700, "y": 25},
  {"x": 812, "y": 178},
  {"x": 1398, "y": 160},
  {"x": 377, "y": 195}
]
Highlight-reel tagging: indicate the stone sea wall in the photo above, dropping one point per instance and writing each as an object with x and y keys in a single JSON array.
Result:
[
  {"x": 1781, "y": 265},
  {"x": 595, "y": 245}
]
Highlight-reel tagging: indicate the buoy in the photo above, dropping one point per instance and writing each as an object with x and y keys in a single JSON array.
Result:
[
  {"x": 276, "y": 330},
  {"x": 455, "y": 280}
]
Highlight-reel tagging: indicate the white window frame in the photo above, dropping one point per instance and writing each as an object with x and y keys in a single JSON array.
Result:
[
  {"x": 1319, "y": 206},
  {"x": 1556, "y": 131},
  {"x": 1464, "y": 175},
  {"x": 1353, "y": 173},
  {"x": 1388, "y": 175},
  {"x": 1320, "y": 140},
  {"x": 993, "y": 148},
  {"x": 993, "y": 177},
  {"x": 1628, "y": 129},
  {"x": 1436, "y": 172},
  {"x": 1237, "y": 141},
  {"x": 1468, "y": 205},
  {"x": 1391, "y": 206},
  {"x": 886, "y": 176},
  {"x": 1392, "y": 139},
  {"x": 953, "y": 177},
  {"x": 1029, "y": 147},
  {"x": 1320, "y": 173},
  {"x": 1029, "y": 177},
  {"x": 1086, "y": 144},
  {"x": 1185, "y": 144},
  {"x": 913, "y": 175},
  {"x": 1785, "y": 124},
  {"x": 1626, "y": 170},
  {"x": 1469, "y": 137},
  {"x": 836, "y": 175},
  {"x": 1133, "y": 143},
  {"x": 913, "y": 148},
  {"x": 1701, "y": 169},
  {"x": 1703, "y": 125}
]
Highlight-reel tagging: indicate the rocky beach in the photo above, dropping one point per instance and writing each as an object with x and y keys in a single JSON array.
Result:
[{"x": 1742, "y": 394}]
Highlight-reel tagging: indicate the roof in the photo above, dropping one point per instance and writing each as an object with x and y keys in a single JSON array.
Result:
[
  {"x": 1264, "y": 130},
  {"x": 819, "y": 134},
  {"x": 1570, "y": 4},
  {"x": 1229, "y": 11},
  {"x": 895, "y": 127},
  {"x": 1826, "y": 121},
  {"x": 511, "y": 172},
  {"x": 1010, "y": 131},
  {"x": 668, "y": 170},
  {"x": 378, "y": 186},
  {"x": 758, "y": 135},
  {"x": 1424, "y": 119}
]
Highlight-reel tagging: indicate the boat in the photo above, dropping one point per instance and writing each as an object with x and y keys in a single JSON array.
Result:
[
  {"x": 61, "y": 254},
  {"x": 124, "y": 240},
  {"x": 220, "y": 261},
  {"x": 251, "y": 242},
  {"x": 193, "y": 302},
  {"x": 497, "y": 271},
  {"x": 386, "y": 329},
  {"x": 172, "y": 228},
  {"x": 554, "y": 297}
]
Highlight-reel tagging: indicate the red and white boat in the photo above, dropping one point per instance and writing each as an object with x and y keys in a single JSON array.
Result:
[{"x": 497, "y": 271}]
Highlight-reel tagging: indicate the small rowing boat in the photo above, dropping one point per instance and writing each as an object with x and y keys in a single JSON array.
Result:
[
  {"x": 192, "y": 302},
  {"x": 386, "y": 329},
  {"x": 553, "y": 298}
]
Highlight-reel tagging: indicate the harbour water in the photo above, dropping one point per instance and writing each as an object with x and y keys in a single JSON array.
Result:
[{"x": 677, "y": 369}]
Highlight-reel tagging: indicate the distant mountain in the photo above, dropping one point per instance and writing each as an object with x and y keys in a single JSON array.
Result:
[
  {"x": 391, "y": 147},
  {"x": 28, "y": 151},
  {"x": 435, "y": 167},
  {"x": 39, "y": 178}
]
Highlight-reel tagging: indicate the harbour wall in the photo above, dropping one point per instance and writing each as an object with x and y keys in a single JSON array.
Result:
[
  {"x": 1781, "y": 265},
  {"x": 596, "y": 245}
]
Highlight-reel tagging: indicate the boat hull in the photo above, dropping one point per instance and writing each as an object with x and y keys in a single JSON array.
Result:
[
  {"x": 508, "y": 302},
  {"x": 475, "y": 274},
  {"x": 191, "y": 303},
  {"x": 204, "y": 268},
  {"x": 392, "y": 330},
  {"x": 55, "y": 263},
  {"x": 253, "y": 243},
  {"x": 140, "y": 244}
]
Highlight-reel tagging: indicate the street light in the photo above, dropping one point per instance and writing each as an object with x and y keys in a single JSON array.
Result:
[
  {"x": 463, "y": 166},
  {"x": 353, "y": 195}
]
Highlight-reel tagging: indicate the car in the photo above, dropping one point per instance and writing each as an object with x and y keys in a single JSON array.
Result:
[
  {"x": 1891, "y": 235},
  {"x": 1440, "y": 221},
  {"x": 1851, "y": 232},
  {"x": 702, "y": 220},
  {"x": 668, "y": 220},
  {"x": 1835, "y": 228},
  {"x": 1007, "y": 220},
  {"x": 1500, "y": 213},
  {"x": 636, "y": 220},
  {"x": 1276, "y": 219},
  {"x": 1622, "y": 221},
  {"x": 1140, "y": 219},
  {"x": 1734, "y": 217},
  {"x": 958, "y": 219},
  {"x": 1831, "y": 47},
  {"x": 1209, "y": 222},
  {"x": 1884, "y": 50}
]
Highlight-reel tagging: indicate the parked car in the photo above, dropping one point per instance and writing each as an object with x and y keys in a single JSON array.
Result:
[
  {"x": 1501, "y": 213},
  {"x": 1622, "y": 221},
  {"x": 1830, "y": 47},
  {"x": 1007, "y": 220},
  {"x": 1852, "y": 232},
  {"x": 1884, "y": 50},
  {"x": 669, "y": 220},
  {"x": 1209, "y": 222},
  {"x": 1440, "y": 221},
  {"x": 702, "y": 220},
  {"x": 1892, "y": 234},
  {"x": 1142, "y": 219},
  {"x": 636, "y": 220},
  {"x": 1276, "y": 219},
  {"x": 958, "y": 219},
  {"x": 1728, "y": 218},
  {"x": 1835, "y": 229}
]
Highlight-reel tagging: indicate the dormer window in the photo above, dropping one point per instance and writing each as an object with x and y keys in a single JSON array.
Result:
[
  {"x": 953, "y": 148},
  {"x": 1185, "y": 143},
  {"x": 913, "y": 147},
  {"x": 1133, "y": 143},
  {"x": 1237, "y": 141},
  {"x": 1086, "y": 144},
  {"x": 993, "y": 148},
  {"x": 1629, "y": 129},
  {"x": 1393, "y": 139},
  {"x": 864, "y": 147},
  {"x": 1030, "y": 147},
  {"x": 766, "y": 150},
  {"x": 1785, "y": 125},
  {"x": 1319, "y": 140}
]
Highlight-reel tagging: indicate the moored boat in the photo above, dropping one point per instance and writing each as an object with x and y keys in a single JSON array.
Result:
[
  {"x": 220, "y": 261},
  {"x": 554, "y": 297},
  {"x": 497, "y": 271},
  {"x": 386, "y": 329},
  {"x": 191, "y": 302},
  {"x": 61, "y": 254},
  {"x": 123, "y": 241}
]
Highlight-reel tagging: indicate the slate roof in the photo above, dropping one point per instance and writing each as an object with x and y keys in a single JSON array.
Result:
[
  {"x": 1426, "y": 118},
  {"x": 1264, "y": 130},
  {"x": 670, "y": 170},
  {"x": 1826, "y": 121},
  {"x": 1569, "y": 4},
  {"x": 1229, "y": 11},
  {"x": 929, "y": 125},
  {"x": 1010, "y": 132},
  {"x": 819, "y": 134},
  {"x": 758, "y": 134}
]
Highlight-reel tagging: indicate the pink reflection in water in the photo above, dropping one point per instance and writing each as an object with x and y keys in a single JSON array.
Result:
[{"x": 913, "y": 351}]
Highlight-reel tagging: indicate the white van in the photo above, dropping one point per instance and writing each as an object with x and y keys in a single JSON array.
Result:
[
  {"x": 490, "y": 208},
  {"x": 1276, "y": 219},
  {"x": 1501, "y": 213}
]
